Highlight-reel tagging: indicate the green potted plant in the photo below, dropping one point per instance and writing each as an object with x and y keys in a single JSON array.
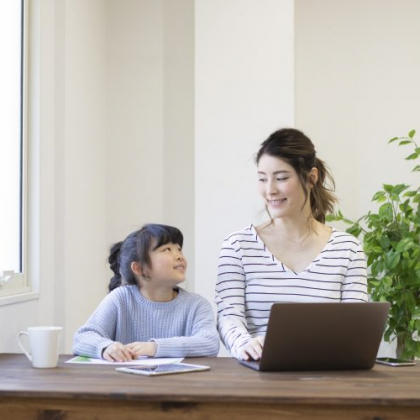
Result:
[{"x": 391, "y": 241}]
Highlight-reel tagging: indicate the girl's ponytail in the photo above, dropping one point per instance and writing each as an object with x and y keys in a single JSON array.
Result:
[
  {"x": 114, "y": 263},
  {"x": 136, "y": 248}
]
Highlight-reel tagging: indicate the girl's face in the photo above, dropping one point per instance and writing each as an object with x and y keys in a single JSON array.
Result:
[
  {"x": 280, "y": 187},
  {"x": 167, "y": 265}
]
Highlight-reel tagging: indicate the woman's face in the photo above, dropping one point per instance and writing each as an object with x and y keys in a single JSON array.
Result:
[{"x": 280, "y": 187}]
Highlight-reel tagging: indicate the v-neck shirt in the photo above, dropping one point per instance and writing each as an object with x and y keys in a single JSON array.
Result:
[{"x": 251, "y": 279}]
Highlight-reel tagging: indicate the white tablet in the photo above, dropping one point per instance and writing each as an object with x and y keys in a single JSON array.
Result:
[{"x": 164, "y": 369}]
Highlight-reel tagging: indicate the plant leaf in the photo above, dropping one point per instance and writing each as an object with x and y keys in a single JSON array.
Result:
[
  {"x": 378, "y": 195},
  {"x": 388, "y": 188},
  {"x": 392, "y": 258},
  {"x": 411, "y": 134},
  {"x": 331, "y": 217},
  {"x": 412, "y": 156},
  {"x": 354, "y": 230},
  {"x": 410, "y": 301},
  {"x": 405, "y": 244},
  {"x": 385, "y": 242},
  {"x": 398, "y": 189},
  {"x": 385, "y": 212}
]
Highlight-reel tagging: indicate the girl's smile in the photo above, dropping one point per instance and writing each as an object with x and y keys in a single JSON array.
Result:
[{"x": 167, "y": 265}]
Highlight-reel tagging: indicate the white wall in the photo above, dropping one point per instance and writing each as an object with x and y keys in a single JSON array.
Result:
[
  {"x": 178, "y": 124},
  {"x": 244, "y": 90},
  {"x": 357, "y": 86},
  {"x": 150, "y": 118},
  {"x": 80, "y": 161},
  {"x": 134, "y": 115}
]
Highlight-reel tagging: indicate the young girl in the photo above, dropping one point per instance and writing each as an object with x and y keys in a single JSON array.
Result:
[
  {"x": 294, "y": 257},
  {"x": 146, "y": 313}
]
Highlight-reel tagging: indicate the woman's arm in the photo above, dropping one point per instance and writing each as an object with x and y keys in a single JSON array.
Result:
[
  {"x": 230, "y": 300},
  {"x": 354, "y": 287}
]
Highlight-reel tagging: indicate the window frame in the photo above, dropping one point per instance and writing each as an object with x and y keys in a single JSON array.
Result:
[{"x": 16, "y": 287}]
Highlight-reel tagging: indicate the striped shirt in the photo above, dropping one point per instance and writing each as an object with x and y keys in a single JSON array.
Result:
[{"x": 251, "y": 279}]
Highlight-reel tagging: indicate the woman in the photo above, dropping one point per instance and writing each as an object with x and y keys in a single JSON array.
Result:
[{"x": 294, "y": 257}]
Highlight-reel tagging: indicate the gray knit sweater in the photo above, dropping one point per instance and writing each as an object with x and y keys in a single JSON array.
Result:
[{"x": 183, "y": 327}]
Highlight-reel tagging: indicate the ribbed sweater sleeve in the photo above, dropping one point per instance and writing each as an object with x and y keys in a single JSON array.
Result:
[
  {"x": 203, "y": 339},
  {"x": 184, "y": 327},
  {"x": 100, "y": 329}
]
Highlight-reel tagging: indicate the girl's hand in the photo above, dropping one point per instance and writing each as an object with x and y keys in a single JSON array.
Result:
[
  {"x": 253, "y": 349},
  {"x": 117, "y": 352},
  {"x": 139, "y": 348}
]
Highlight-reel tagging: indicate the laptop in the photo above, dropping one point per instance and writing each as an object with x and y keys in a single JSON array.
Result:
[{"x": 322, "y": 336}]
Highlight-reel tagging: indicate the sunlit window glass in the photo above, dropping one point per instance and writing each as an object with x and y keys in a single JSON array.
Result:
[{"x": 10, "y": 135}]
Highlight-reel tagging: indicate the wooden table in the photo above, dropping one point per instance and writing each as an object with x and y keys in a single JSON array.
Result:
[{"x": 228, "y": 390}]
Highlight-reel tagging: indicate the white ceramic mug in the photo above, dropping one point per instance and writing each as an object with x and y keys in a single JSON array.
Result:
[{"x": 43, "y": 342}]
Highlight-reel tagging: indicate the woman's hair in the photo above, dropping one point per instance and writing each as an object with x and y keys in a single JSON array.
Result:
[
  {"x": 297, "y": 150},
  {"x": 135, "y": 248}
]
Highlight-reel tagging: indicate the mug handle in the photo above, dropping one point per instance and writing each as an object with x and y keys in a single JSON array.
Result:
[{"x": 21, "y": 345}]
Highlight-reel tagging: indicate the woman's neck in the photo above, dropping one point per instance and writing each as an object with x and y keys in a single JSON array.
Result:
[
  {"x": 297, "y": 234},
  {"x": 296, "y": 226}
]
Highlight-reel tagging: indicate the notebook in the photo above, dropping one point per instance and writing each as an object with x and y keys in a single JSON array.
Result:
[{"x": 322, "y": 336}]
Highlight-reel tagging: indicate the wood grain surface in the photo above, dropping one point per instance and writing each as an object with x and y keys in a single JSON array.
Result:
[{"x": 228, "y": 390}]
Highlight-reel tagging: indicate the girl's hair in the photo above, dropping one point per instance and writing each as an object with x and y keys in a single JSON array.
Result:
[
  {"x": 297, "y": 150},
  {"x": 136, "y": 248}
]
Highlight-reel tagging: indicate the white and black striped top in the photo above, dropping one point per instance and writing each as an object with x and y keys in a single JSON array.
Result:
[{"x": 251, "y": 279}]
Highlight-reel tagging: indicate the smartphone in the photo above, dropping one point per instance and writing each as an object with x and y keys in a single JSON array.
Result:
[
  {"x": 390, "y": 361},
  {"x": 163, "y": 369}
]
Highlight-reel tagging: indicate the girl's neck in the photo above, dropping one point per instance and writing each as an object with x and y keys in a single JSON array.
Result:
[{"x": 158, "y": 294}]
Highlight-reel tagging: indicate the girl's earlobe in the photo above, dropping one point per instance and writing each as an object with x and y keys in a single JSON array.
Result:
[{"x": 136, "y": 268}]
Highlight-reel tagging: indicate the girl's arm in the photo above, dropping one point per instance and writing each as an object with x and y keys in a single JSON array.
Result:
[
  {"x": 203, "y": 340},
  {"x": 99, "y": 331},
  {"x": 230, "y": 300}
]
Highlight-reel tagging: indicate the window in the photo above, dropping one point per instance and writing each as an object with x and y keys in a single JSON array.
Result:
[{"x": 12, "y": 149}]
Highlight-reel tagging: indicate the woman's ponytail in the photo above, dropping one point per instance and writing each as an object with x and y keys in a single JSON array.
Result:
[{"x": 322, "y": 196}]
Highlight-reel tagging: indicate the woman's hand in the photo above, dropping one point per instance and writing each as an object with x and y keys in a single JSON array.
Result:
[
  {"x": 117, "y": 352},
  {"x": 140, "y": 348},
  {"x": 253, "y": 349}
]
